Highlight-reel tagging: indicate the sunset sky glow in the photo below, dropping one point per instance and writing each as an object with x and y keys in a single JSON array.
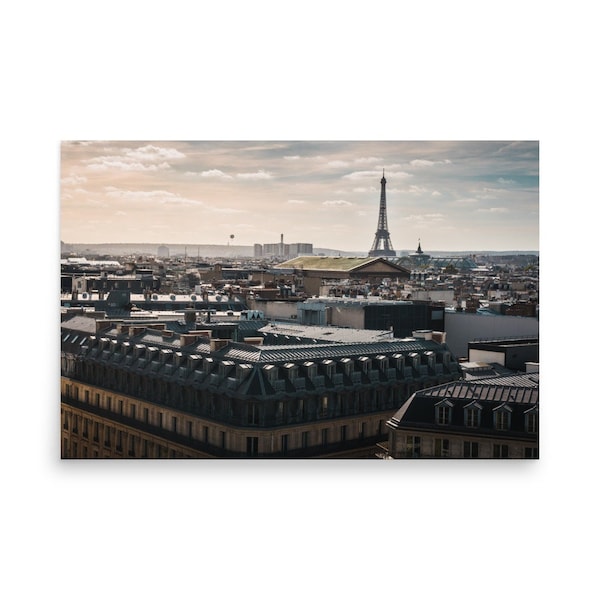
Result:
[{"x": 480, "y": 195}]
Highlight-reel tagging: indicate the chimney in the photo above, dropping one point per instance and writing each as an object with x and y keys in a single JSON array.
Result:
[
  {"x": 102, "y": 325},
  {"x": 185, "y": 339},
  {"x": 217, "y": 344},
  {"x": 439, "y": 337},
  {"x": 136, "y": 330}
]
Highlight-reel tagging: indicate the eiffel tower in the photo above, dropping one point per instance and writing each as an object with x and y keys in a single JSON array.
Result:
[{"x": 382, "y": 246}]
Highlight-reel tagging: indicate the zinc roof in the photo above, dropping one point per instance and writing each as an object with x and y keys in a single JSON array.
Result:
[{"x": 330, "y": 263}]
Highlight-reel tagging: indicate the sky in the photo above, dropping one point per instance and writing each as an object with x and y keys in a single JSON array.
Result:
[{"x": 449, "y": 195}]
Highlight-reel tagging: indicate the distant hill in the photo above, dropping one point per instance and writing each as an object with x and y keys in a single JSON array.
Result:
[{"x": 231, "y": 251}]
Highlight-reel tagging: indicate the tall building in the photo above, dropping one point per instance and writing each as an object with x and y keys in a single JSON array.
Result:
[{"x": 382, "y": 245}]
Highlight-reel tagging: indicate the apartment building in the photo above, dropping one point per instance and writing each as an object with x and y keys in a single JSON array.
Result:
[
  {"x": 496, "y": 417},
  {"x": 135, "y": 390}
]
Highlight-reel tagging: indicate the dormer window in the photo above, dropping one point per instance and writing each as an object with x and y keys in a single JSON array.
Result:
[
  {"x": 531, "y": 420},
  {"x": 472, "y": 414},
  {"x": 443, "y": 412},
  {"x": 328, "y": 367},
  {"x": 347, "y": 365},
  {"x": 311, "y": 369},
  {"x": 382, "y": 362},
  {"x": 270, "y": 372},
  {"x": 291, "y": 371},
  {"x": 365, "y": 364},
  {"x": 502, "y": 417},
  {"x": 242, "y": 371}
]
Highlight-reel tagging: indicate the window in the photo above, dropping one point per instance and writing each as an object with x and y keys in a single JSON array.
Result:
[
  {"x": 174, "y": 424},
  {"x": 251, "y": 446},
  {"x": 472, "y": 415},
  {"x": 131, "y": 445},
  {"x": 531, "y": 453},
  {"x": 361, "y": 430},
  {"x": 500, "y": 451},
  {"x": 252, "y": 413},
  {"x": 324, "y": 435},
  {"x": 442, "y": 447},
  {"x": 132, "y": 410},
  {"x": 120, "y": 441},
  {"x": 323, "y": 406},
  {"x": 108, "y": 403},
  {"x": 301, "y": 412},
  {"x": 120, "y": 407},
  {"x": 443, "y": 412},
  {"x": 223, "y": 439},
  {"x": 284, "y": 443},
  {"x": 343, "y": 432},
  {"x": 531, "y": 421},
  {"x": 413, "y": 446},
  {"x": 146, "y": 415},
  {"x": 85, "y": 428},
  {"x": 205, "y": 433},
  {"x": 107, "y": 436},
  {"x": 281, "y": 412},
  {"x": 189, "y": 429},
  {"x": 96, "y": 432},
  {"x": 86, "y": 396},
  {"x": 470, "y": 449},
  {"x": 305, "y": 439},
  {"x": 65, "y": 421},
  {"x": 502, "y": 416}
]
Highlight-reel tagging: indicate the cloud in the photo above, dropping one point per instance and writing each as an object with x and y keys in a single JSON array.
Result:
[
  {"x": 157, "y": 196},
  {"x": 416, "y": 189},
  {"x": 358, "y": 175},
  {"x": 493, "y": 209},
  {"x": 419, "y": 162},
  {"x": 144, "y": 158},
  {"x": 436, "y": 193},
  {"x": 215, "y": 174},
  {"x": 338, "y": 164},
  {"x": 255, "y": 176},
  {"x": 369, "y": 159},
  {"x": 426, "y": 217},
  {"x": 337, "y": 203},
  {"x": 106, "y": 163},
  {"x": 291, "y": 157},
  {"x": 73, "y": 180},
  {"x": 296, "y": 201},
  {"x": 505, "y": 181},
  {"x": 154, "y": 154}
]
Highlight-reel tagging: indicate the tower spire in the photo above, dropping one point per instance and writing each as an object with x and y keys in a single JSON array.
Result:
[{"x": 382, "y": 245}]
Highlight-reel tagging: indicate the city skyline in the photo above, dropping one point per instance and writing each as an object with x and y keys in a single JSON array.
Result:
[{"x": 449, "y": 195}]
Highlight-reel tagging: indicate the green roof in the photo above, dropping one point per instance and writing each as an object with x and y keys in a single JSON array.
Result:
[{"x": 331, "y": 263}]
